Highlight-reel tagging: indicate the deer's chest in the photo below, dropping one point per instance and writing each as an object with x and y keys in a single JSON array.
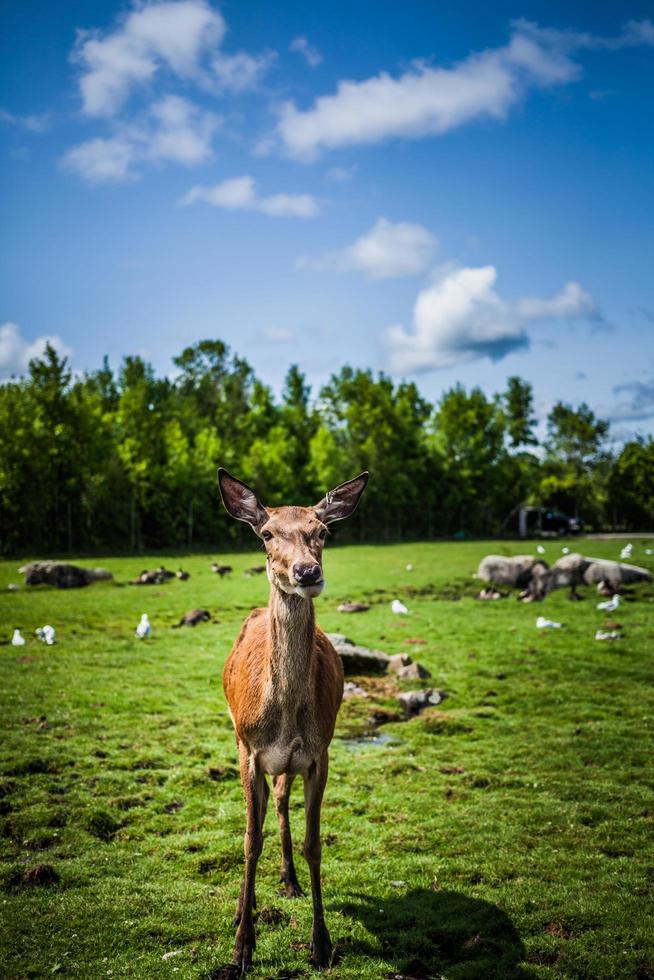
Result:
[{"x": 285, "y": 739}]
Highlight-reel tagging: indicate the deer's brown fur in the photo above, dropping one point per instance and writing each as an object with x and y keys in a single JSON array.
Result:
[{"x": 284, "y": 684}]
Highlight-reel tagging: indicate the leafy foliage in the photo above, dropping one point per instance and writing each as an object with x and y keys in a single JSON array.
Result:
[{"x": 128, "y": 461}]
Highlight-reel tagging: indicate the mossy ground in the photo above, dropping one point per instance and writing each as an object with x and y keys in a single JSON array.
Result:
[{"x": 506, "y": 833}]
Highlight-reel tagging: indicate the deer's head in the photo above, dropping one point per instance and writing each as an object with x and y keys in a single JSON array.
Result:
[{"x": 293, "y": 537}]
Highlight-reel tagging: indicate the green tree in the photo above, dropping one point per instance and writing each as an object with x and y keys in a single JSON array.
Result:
[
  {"x": 631, "y": 485},
  {"x": 576, "y": 465}
]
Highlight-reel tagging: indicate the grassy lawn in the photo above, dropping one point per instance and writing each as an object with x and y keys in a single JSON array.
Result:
[{"x": 507, "y": 833}]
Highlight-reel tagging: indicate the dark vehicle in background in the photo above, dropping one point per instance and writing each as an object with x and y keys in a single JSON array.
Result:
[{"x": 547, "y": 522}]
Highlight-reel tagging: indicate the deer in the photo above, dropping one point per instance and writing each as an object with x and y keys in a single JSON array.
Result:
[{"x": 283, "y": 682}]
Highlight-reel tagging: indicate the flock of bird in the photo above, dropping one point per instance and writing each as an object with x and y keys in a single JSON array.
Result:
[{"x": 46, "y": 634}]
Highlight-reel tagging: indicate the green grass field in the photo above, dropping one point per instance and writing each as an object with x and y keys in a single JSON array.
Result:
[{"x": 507, "y": 833}]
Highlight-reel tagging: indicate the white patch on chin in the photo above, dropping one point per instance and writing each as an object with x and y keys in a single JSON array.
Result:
[{"x": 310, "y": 591}]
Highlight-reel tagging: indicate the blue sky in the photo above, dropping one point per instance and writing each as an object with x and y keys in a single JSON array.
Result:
[{"x": 442, "y": 191}]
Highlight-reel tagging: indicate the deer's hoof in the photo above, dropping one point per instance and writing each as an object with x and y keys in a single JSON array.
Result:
[
  {"x": 292, "y": 889},
  {"x": 321, "y": 950}
]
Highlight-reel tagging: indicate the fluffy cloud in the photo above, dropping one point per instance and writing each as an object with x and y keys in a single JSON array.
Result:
[
  {"x": 242, "y": 71},
  {"x": 638, "y": 404},
  {"x": 428, "y": 100},
  {"x": 311, "y": 55},
  {"x": 460, "y": 317},
  {"x": 387, "y": 251},
  {"x": 181, "y": 37},
  {"x": 239, "y": 194},
  {"x": 174, "y": 130},
  {"x": 33, "y": 123},
  {"x": 16, "y": 352}
]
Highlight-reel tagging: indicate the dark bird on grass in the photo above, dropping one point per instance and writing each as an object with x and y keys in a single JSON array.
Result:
[
  {"x": 257, "y": 569},
  {"x": 221, "y": 569},
  {"x": 182, "y": 575},
  {"x": 353, "y": 607},
  {"x": 193, "y": 617}
]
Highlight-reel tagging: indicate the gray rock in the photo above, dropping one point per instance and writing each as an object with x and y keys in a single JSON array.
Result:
[
  {"x": 414, "y": 702},
  {"x": 353, "y": 607},
  {"x": 413, "y": 672},
  {"x": 357, "y": 659},
  {"x": 352, "y": 690},
  {"x": 398, "y": 661},
  {"x": 62, "y": 574}
]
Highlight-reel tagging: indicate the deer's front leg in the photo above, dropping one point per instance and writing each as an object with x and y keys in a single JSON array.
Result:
[
  {"x": 314, "y": 786},
  {"x": 255, "y": 790}
]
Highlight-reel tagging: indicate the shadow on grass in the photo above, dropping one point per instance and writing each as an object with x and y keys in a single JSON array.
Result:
[{"x": 440, "y": 934}]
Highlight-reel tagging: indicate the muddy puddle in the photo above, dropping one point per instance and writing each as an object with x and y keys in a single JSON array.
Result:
[{"x": 356, "y": 742}]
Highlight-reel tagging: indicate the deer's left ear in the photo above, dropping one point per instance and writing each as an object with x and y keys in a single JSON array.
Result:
[
  {"x": 241, "y": 501},
  {"x": 341, "y": 502}
]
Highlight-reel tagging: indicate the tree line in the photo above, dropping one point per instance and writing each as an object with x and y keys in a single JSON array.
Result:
[{"x": 127, "y": 460}]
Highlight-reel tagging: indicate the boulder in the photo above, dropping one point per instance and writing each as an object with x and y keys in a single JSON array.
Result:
[
  {"x": 62, "y": 574},
  {"x": 413, "y": 672},
  {"x": 357, "y": 659},
  {"x": 414, "y": 702},
  {"x": 398, "y": 661}
]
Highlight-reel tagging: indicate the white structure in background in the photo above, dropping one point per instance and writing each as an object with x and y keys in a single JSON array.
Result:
[
  {"x": 399, "y": 608},
  {"x": 143, "y": 630},
  {"x": 626, "y": 551},
  {"x": 17, "y": 640},
  {"x": 46, "y": 634},
  {"x": 547, "y": 624}
]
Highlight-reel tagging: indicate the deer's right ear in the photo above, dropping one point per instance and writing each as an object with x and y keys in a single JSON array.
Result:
[{"x": 240, "y": 501}]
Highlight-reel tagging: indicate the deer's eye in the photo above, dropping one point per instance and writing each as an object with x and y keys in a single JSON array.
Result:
[
  {"x": 322, "y": 534},
  {"x": 266, "y": 535}
]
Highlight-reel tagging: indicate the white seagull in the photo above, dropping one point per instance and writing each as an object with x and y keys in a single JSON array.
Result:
[
  {"x": 626, "y": 551},
  {"x": 540, "y": 549},
  {"x": 143, "y": 630},
  {"x": 46, "y": 634},
  {"x": 611, "y": 604},
  {"x": 547, "y": 624},
  {"x": 17, "y": 639},
  {"x": 399, "y": 607},
  {"x": 565, "y": 551}
]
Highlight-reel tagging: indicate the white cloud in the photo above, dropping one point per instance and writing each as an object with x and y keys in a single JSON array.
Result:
[
  {"x": 166, "y": 34},
  {"x": 311, "y": 55},
  {"x": 428, "y": 100},
  {"x": 239, "y": 194},
  {"x": 637, "y": 406},
  {"x": 387, "y": 251},
  {"x": 182, "y": 37},
  {"x": 34, "y": 123},
  {"x": 174, "y": 130},
  {"x": 341, "y": 175},
  {"x": 242, "y": 71},
  {"x": 16, "y": 352},
  {"x": 101, "y": 161},
  {"x": 460, "y": 318}
]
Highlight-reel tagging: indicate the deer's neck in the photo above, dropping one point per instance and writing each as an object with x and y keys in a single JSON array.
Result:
[{"x": 292, "y": 633}]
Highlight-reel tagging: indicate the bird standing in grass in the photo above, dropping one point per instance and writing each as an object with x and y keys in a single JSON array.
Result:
[
  {"x": 17, "y": 640},
  {"x": 46, "y": 634},
  {"x": 611, "y": 604},
  {"x": 143, "y": 630},
  {"x": 399, "y": 608}
]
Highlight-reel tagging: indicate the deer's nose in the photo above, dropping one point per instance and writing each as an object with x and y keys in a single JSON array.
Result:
[{"x": 307, "y": 574}]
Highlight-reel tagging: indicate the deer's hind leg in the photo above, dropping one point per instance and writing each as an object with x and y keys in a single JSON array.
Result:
[
  {"x": 314, "y": 787},
  {"x": 281, "y": 792}
]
